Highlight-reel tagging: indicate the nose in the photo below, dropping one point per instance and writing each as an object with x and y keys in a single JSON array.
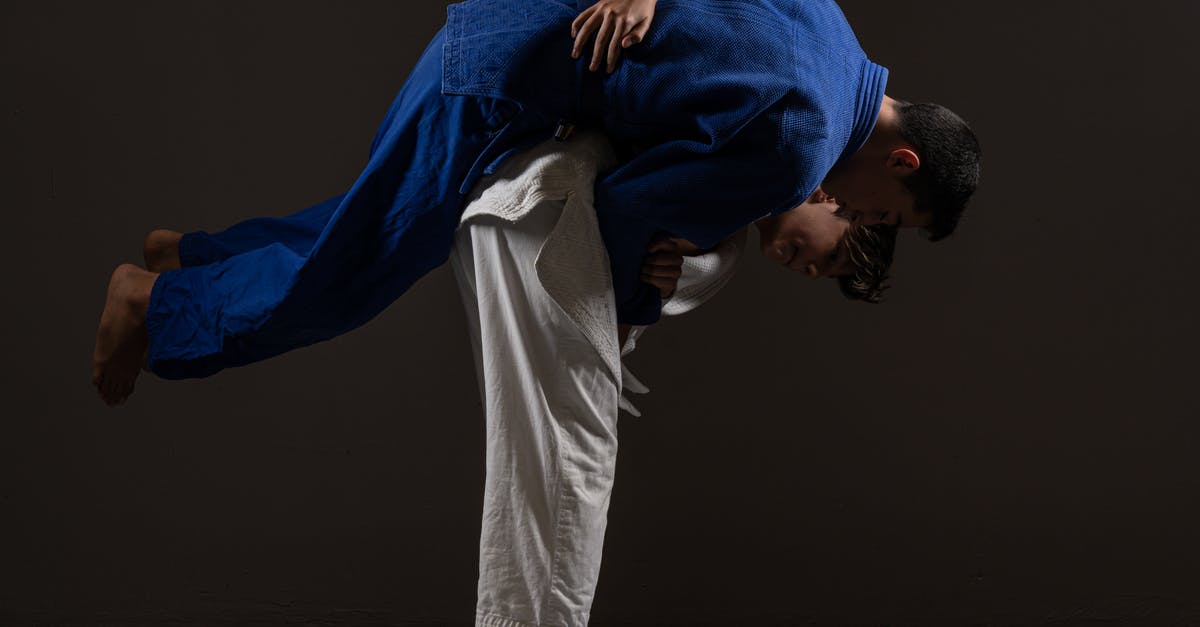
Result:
[{"x": 812, "y": 271}]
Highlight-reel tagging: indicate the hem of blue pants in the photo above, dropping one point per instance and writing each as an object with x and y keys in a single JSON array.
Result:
[
  {"x": 175, "y": 366},
  {"x": 153, "y": 322},
  {"x": 187, "y": 244},
  {"x": 487, "y": 619},
  {"x": 153, "y": 326}
]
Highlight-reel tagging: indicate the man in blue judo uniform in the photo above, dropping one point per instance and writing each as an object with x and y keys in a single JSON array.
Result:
[{"x": 724, "y": 112}]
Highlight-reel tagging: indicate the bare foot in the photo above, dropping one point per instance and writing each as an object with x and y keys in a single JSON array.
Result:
[
  {"x": 121, "y": 337},
  {"x": 161, "y": 250}
]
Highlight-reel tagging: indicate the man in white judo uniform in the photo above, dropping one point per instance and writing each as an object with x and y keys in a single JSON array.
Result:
[{"x": 534, "y": 277}]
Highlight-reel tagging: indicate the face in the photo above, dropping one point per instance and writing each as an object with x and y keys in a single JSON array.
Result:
[
  {"x": 807, "y": 239},
  {"x": 870, "y": 190}
]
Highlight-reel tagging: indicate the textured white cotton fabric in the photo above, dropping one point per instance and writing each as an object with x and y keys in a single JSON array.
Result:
[
  {"x": 702, "y": 277},
  {"x": 533, "y": 274}
]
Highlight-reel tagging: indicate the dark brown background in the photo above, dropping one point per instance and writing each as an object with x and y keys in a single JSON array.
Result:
[{"x": 1011, "y": 440}]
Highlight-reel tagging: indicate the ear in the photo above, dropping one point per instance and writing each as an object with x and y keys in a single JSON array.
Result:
[{"x": 905, "y": 160}]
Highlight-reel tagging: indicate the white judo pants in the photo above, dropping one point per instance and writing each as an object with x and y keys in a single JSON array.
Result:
[{"x": 551, "y": 421}]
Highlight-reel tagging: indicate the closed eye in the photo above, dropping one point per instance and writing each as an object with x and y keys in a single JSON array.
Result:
[{"x": 836, "y": 260}]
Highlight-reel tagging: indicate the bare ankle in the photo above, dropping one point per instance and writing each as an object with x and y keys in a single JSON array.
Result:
[{"x": 133, "y": 286}]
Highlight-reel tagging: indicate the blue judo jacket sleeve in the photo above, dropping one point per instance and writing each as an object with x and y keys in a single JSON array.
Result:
[{"x": 686, "y": 189}]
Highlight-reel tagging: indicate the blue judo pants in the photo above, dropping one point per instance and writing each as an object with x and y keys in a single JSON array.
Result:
[{"x": 269, "y": 285}]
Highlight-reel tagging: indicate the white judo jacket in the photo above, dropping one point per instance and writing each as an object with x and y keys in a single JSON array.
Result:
[{"x": 573, "y": 266}]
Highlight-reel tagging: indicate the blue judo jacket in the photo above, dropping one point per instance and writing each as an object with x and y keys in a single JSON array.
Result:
[{"x": 728, "y": 111}]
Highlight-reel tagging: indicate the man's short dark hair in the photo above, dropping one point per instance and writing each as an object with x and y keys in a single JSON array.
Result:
[
  {"x": 949, "y": 172},
  {"x": 871, "y": 249}
]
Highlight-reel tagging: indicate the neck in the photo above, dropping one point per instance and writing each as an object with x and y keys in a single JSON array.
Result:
[
  {"x": 879, "y": 141},
  {"x": 887, "y": 112},
  {"x": 885, "y": 124}
]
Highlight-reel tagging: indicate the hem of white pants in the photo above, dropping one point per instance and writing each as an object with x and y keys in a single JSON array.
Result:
[{"x": 483, "y": 619}]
